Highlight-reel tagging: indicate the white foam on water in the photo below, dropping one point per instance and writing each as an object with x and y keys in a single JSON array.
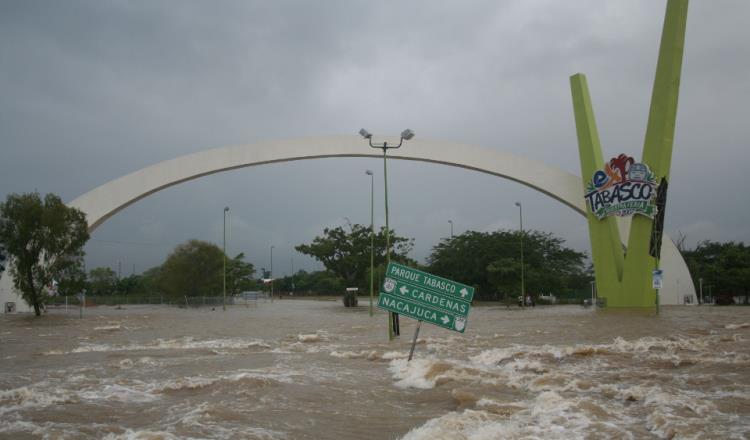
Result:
[
  {"x": 465, "y": 425},
  {"x": 318, "y": 336},
  {"x": 201, "y": 417},
  {"x": 412, "y": 374},
  {"x": 426, "y": 373},
  {"x": 370, "y": 355},
  {"x": 38, "y": 395},
  {"x": 52, "y": 353},
  {"x": 547, "y": 416},
  {"x": 678, "y": 350},
  {"x": 737, "y": 326},
  {"x": 118, "y": 393},
  {"x": 127, "y": 363},
  {"x": 186, "y": 343},
  {"x": 658, "y": 400},
  {"x": 18, "y": 426},
  {"x": 197, "y": 382},
  {"x": 389, "y": 355},
  {"x": 88, "y": 348},
  {"x": 109, "y": 327},
  {"x": 145, "y": 435}
]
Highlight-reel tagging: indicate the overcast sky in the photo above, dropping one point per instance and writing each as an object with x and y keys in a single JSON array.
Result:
[{"x": 93, "y": 90}]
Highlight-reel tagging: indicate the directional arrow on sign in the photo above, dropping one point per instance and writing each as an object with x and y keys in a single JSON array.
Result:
[
  {"x": 464, "y": 292},
  {"x": 403, "y": 290},
  {"x": 445, "y": 319}
]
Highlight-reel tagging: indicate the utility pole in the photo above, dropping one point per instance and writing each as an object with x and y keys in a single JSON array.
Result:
[
  {"x": 224, "y": 287},
  {"x": 393, "y": 327},
  {"x": 372, "y": 238},
  {"x": 523, "y": 291}
]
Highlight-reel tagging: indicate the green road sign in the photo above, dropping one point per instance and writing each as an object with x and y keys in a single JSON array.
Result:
[{"x": 426, "y": 297}]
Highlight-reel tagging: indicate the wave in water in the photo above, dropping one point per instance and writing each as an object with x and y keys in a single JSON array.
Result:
[
  {"x": 571, "y": 391},
  {"x": 186, "y": 343}
]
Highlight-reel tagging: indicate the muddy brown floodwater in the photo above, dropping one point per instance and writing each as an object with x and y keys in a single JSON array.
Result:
[{"x": 307, "y": 369}]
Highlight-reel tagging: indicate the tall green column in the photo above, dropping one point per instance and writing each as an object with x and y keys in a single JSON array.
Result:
[
  {"x": 624, "y": 277},
  {"x": 606, "y": 246}
]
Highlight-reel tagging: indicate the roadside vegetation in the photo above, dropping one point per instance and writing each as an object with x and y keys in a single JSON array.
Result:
[{"x": 44, "y": 240}]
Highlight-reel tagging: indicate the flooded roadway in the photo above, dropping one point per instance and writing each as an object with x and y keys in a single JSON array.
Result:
[{"x": 306, "y": 369}]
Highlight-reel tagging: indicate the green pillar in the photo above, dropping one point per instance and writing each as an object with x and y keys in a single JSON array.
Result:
[
  {"x": 606, "y": 246},
  {"x": 624, "y": 278}
]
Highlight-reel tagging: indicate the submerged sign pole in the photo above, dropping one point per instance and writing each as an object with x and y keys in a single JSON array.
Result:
[
  {"x": 414, "y": 341},
  {"x": 656, "y": 283}
]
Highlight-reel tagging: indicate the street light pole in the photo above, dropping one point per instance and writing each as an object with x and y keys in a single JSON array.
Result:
[
  {"x": 451, "y": 222},
  {"x": 523, "y": 292},
  {"x": 393, "y": 328},
  {"x": 291, "y": 263},
  {"x": 372, "y": 237},
  {"x": 224, "y": 287},
  {"x": 271, "y": 273}
]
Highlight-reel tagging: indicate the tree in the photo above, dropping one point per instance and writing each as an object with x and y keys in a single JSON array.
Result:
[
  {"x": 72, "y": 280},
  {"x": 318, "y": 282},
  {"x": 347, "y": 254},
  {"x": 128, "y": 285},
  {"x": 102, "y": 281},
  {"x": 504, "y": 274},
  {"x": 239, "y": 275},
  {"x": 723, "y": 266},
  {"x": 43, "y": 238},
  {"x": 194, "y": 268},
  {"x": 491, "y": 263},
  {"x": 149, "y": 281}
]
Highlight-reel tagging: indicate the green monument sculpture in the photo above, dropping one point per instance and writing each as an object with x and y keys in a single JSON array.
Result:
[{"x": 622, "y": 186}]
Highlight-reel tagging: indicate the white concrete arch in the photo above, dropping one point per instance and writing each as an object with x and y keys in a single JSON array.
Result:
[{"x": 106, "y": 200}]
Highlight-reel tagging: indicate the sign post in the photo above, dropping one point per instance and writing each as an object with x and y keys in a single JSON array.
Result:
[
  {"x": 425, "y": 297},
  {"x": 656, "y": 283}
]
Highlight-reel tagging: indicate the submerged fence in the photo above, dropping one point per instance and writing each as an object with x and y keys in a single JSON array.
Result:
[{"x": 244, "y": 298}]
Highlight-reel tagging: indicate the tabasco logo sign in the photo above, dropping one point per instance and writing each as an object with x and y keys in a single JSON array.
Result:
[{"x": 624, "y": 187}]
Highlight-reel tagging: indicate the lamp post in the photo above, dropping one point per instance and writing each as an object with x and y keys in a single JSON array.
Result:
[
  {"x": 520, "y": 215},
  {"x": 372, "y": 236},
  {"x": 451, "y": 222},
  {"x": 407, "y": 134},
  {"x": 224, "y": 287},
  {"x": 271, "y": 273},
  {"x": 291, "y": 263}
]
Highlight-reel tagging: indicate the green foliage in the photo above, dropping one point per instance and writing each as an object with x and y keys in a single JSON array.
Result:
[
  {"x": 44, "y": 238},
  {"x": 240, "y": 275},
  {"x": 725, "y": 267},
  {"x": 102, "y": 281},
  {"x": 347, "y": 254},
  {"x": 319, "y": 282},
  {"x": 128, "y": 285},
  {"x": 148, "y": 282},
  {"x": 194, "y": 268},
  {"x": 491, "y": 262},
  {"x": 72, "y": 280}
]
